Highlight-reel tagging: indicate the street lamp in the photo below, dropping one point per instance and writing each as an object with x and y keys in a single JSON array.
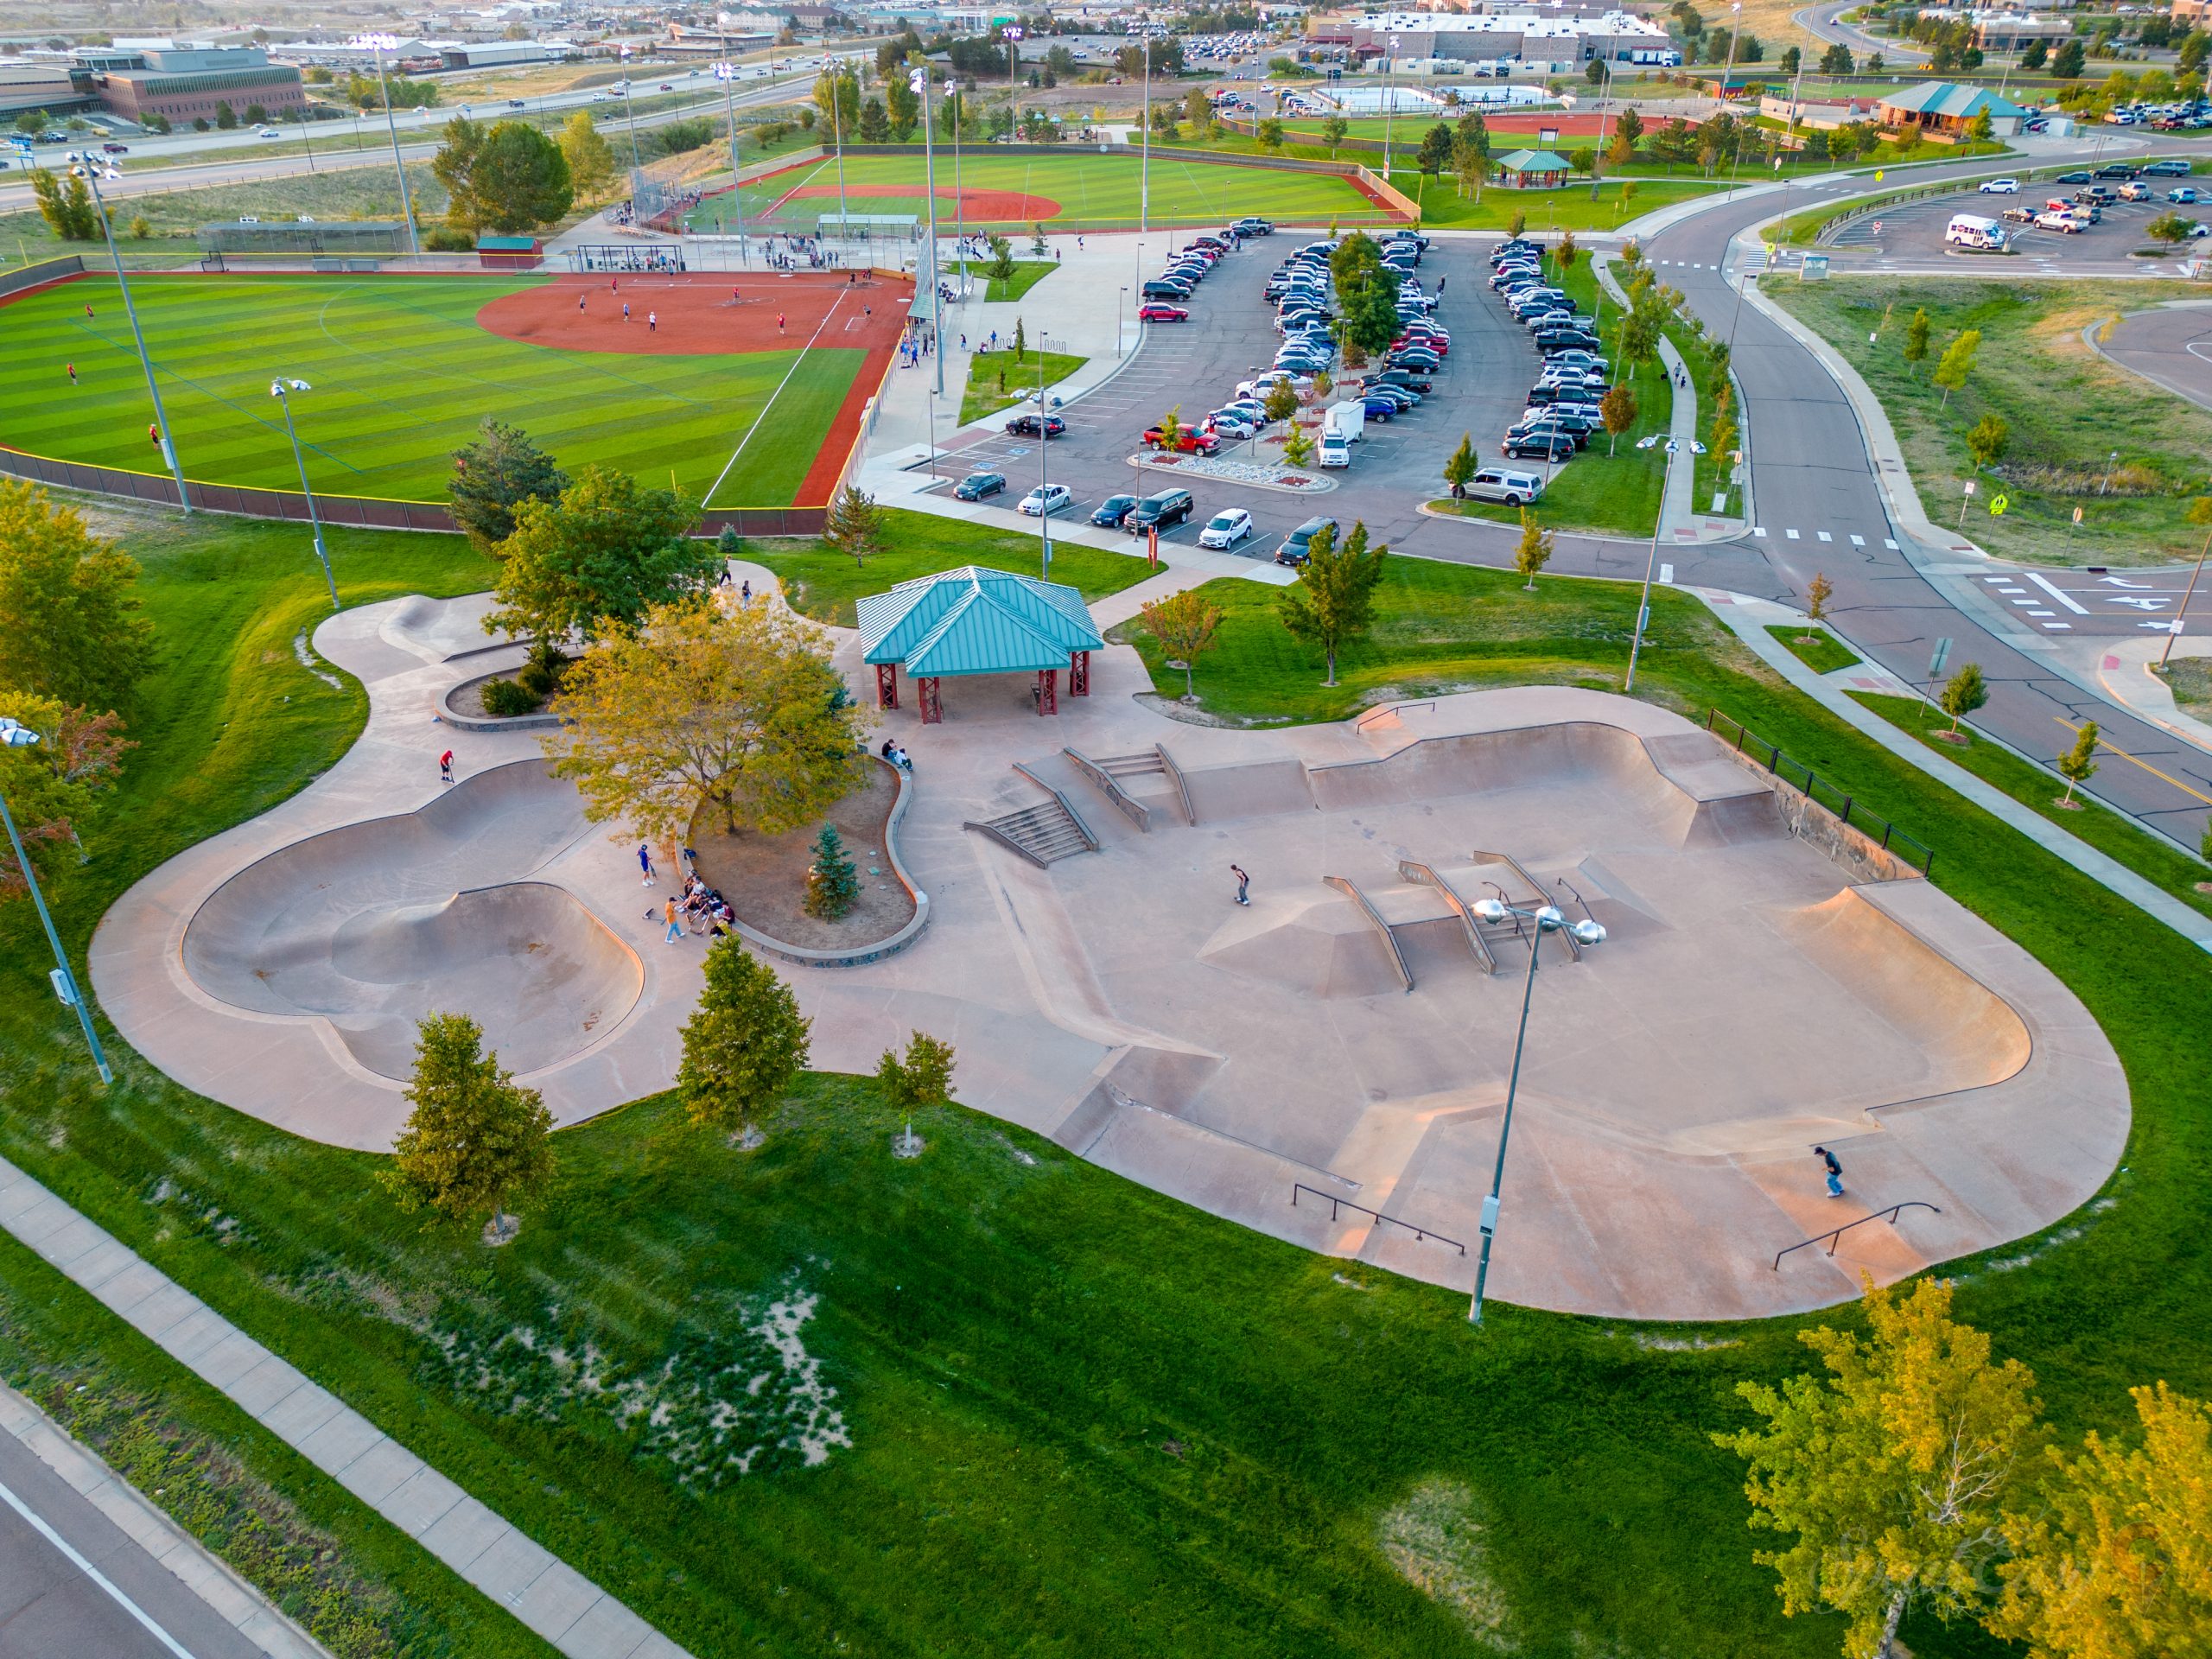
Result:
[
  {"x": 629, "y": 111},
  {"x": 919, "y": 82},
  {"x": 280, "y": 389},
  {"x": 380, "y": 44},
  {"x": 17, "y": 735},
  {"x": 1390, "y": 102},
  {"x": 1545, "y": 919},
  {"x": 1012, "y": 36},
  {"x": 1643, "y": 609},
  {"x": 130, "y": 311},
  {"x": 726, "y": 73}
]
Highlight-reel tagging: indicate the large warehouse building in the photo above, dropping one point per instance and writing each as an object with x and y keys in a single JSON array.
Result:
[{"x": 1561, "y": 39}]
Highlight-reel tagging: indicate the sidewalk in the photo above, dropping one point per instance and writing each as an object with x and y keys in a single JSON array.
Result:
[
  {"x": 2122, "y": 669},
  {"x": 550, "y": 1597},
  {"x": 1749, "y": 619},
  {"x": 1680, "y": 521}
]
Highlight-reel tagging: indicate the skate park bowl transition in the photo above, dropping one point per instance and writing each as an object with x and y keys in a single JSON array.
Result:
[{"x": 370, "y": 926}]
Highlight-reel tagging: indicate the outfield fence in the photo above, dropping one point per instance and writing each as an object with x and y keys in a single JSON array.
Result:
[{"x": 353, "y": 511}]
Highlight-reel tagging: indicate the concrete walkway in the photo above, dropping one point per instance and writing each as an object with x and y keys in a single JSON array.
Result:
[
  {"x": 1679, "y": 520},
  {"x": 2122, "y": 668},
  {"x": 1749, "y": 619},
  {"x": 554, "y": 1600}
]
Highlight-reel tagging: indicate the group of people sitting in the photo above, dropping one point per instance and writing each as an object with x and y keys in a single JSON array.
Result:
[
  {"x": 896, "y": 755},
  {"x": 705, "y": 910}
]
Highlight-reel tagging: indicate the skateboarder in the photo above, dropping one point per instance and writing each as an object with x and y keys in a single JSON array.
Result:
[
  {"x": 1243, "y": 884},
  {"x": 1834, "y": 1171},
  {"x": 445, "y": 767}
]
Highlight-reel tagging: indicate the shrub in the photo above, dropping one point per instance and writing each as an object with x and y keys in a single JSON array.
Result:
[
  {"x": 503, "y": 699},
  {"x": 443, "y": 239}
]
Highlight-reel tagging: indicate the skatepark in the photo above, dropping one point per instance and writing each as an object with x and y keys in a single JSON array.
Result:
[{"x": 1766, "y": 982}]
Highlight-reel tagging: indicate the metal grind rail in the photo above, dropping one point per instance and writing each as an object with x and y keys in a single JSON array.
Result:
[
  {"x": 1836, "y": 1233},
  {"x": 1337, "y": 1204}
]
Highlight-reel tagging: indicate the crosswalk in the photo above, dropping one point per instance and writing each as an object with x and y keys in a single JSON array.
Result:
[
  {"x": 2034, "y": 606},
  {"x": 1759, "y": 531}
]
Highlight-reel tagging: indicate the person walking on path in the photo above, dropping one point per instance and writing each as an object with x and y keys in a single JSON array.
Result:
[
  {"x": 646, "y": 862},
  {"x": 1834, "y": 1171},
  {"x": 1243, "y": 884},
  {"x": 745, "y": 595},
  {"x": 445, "y": 767},
  {"x": 675, "y": 925}
]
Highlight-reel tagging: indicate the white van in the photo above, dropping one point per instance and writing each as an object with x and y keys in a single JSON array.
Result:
[{"x": 1972, "y": 231}]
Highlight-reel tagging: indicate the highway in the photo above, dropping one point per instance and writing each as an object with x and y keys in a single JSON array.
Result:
[{"x": 1820, "y": 23}]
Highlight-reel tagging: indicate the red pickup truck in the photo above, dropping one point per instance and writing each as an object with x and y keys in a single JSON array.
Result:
[{"x": 1189, "y": 441}]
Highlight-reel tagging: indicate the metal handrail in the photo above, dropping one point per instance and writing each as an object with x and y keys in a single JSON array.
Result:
[
  {"x": 1574, "y": 945},
  {"x": 1397, "y": 956},
  {"x": 1411, "y": 869},
  {"x": 1836, "y": 1233},
  {"x": 1182, "y": 785},
  {"x": 1066, "y": 806},
  {"x": 1336, "y": 1203},
  {"x": 1390, "y": 709},
  {"x": 1132, "y": 809}
]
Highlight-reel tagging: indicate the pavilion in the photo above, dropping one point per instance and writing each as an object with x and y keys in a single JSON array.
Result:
[
  {"x": 977, "y": 621},
  {"x": 1532, "y": 169}
]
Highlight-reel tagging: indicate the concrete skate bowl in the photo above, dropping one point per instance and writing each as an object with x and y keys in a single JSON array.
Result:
[
  {"x": 1683, "y": 788},
  {"x": 368, "y": 927}
]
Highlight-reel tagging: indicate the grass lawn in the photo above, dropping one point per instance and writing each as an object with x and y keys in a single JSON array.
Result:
[
  {"x": 1071, "y": 1403},
  {"x": 823, "y": 583},
  {"x": 2189, "y": 678},
  {"x": 1027, "y": 273},
  {"x": 1074, "y": 191},
  {"x": 1581, "y": 207},
  {"x": 999, "y": 380},
  {"x": 1816, "y": 648},
  {"x": 2152, "y": 857},
  {"x": 2068, "y": 410},
  {"x": 401, "y": 374}
]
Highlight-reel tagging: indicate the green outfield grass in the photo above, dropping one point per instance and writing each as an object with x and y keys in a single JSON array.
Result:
[
  {"x": 401, "y": 375},
  {"x": 1090, "y": 189}
]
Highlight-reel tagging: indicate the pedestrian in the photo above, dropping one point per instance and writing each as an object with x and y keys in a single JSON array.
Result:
[
  {"x": 88, "y": 314},
  {"x": 1440, "y": 286},
  {"x": 1834, "y": 1171},
  {"x": 964, "y": 347},
  {"x": 613, "y": 284},
  {"x": 626, "y": 310},
  {"x": 646, "y": 862},
  {"x": 580, "y": 304},
  {"x": 745, "y": 595},
  {"x": 1243, "y": 884},
  {"x": 1078, "y": 245},
  {"x": 652, "y": 323},
  {"x": 674, "y": 926},
  {"x": 445, "y": 767},
  {"x": 691, "y": 860},
  {"x": 73, "y": 374}
]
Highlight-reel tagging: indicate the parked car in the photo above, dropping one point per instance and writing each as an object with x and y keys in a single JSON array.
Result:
[
  {"x": 976, "y": 485},
  {"x": 1232, "y": 423},
  {"x": 1297, "y": 547},
  {"x": 1113, "y": 510},
  {"x": 2117, "y": 170},
  {"x": 1566, "y": 340},
  {"x": 2019, "y": 215},
  {"x": 2074, "y": 178},
  {"x": 1578, "y": 434},
  {"x": 1382, "y": 408},
  {"x": 1046, "y": 500},
  {"x": 1034, "y": 425},
  {"x": 1404, "y": 379},
  {"x": 2001, "y": 187},
  {"x": 2065, "y": 223},
  {"x": 2185, "y": 194},
  {"x": 1515, "y": 488},
  {"x": 1547, "y": 446},
  {"x": 1253, "y": 226},
  {"x": 2168, "y": 170},
  {"x": 1226, "y": 529},
  {"x": 1161, "y": 287},
  {"x": 1157, "y": 311},
  {"x": 1161, "y": 511},
  {"x": 1189, "y": 441}
]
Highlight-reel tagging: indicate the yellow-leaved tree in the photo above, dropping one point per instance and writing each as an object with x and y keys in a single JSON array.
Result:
[{"x": 1892, "y": 1471}]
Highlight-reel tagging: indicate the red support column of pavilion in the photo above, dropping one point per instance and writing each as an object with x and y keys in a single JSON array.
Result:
[
  {"x": 926, "y": 694},
  {"x": 886, "y": 685},
  {"x": 1079, "y": 673},
  {"x": 1048, "y": 691}
]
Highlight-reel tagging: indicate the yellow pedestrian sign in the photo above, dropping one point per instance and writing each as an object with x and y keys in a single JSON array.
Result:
[{"x": 1996, "y": 506}]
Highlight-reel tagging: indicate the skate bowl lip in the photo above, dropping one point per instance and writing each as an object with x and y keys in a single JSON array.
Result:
[{"x": 238, "y": 887}]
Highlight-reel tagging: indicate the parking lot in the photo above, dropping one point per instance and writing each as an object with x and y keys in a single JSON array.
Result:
[
  {"x": 1910, "y": 236},
  {"x": 1195, "y": 366}
]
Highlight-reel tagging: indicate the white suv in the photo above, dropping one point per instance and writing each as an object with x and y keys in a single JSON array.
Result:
[
  {"x": 2001, "y": 187},
  {"x": 1504, "y": 484}
]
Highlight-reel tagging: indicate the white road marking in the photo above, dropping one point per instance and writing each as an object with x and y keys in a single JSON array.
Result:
[
  {"x": 1824, "y": 536},
  {"x": 94, "y": 1574},
  {"x": 1858, "y": 541},
  {"x": 2055, "y": 626},
  {"x": 2024, "y": 600},
  {"x": 2043, "y": 613},
  {"x": 1791, "y": 534},
  {"x": 1760, "y": 530},
  {"x": 1994, "y": 578},
  {"x": 2057, "y": 593},
  {"x": 1891, "y": 545}
]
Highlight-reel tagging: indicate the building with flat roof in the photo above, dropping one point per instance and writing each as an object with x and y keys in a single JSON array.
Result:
[
  {"x": 48, "y": 87},
  {"x": 185, "y": 82},
  {"x": 1552, "y": 38}
]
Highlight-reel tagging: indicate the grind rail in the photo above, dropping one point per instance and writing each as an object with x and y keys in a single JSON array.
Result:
[
  {"x": 1337, "y": 1204},
  {"x": 1836, "y": 1233}
]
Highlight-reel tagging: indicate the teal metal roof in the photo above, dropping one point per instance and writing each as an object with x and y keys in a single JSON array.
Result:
[
  {"x": 1534, "y": 160},
  {"x": 975, "y": 621},
  {"x": 506, "y": 244},
  {"x": 1949, "y": 98}
]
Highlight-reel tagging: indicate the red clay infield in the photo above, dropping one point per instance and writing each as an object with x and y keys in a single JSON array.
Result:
[
  {"x": 989, "y": 205},
  {"x": 714, "y": 313}
]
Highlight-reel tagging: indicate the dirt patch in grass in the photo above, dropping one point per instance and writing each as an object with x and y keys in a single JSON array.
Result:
[
  {"x": 1434, "y": 1538},
  {"x": 763, "y": 877},
  {"x": 2189, "y": 678}
]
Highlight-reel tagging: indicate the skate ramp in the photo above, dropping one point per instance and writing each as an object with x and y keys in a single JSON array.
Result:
[
  {"x": 1322, "y": 946},
  {"x": 370, "y": 926},
  {"x": 1257, "y": 788},
  {"x": 1968, "y": 1037}
]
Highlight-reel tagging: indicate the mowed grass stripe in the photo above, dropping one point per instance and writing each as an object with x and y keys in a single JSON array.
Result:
[{"x": 401, "y": 376}]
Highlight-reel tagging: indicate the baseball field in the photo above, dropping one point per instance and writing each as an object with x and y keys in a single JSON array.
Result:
[
  {"x": 1075, "y": 190},
  {"x": 748, "y": 390}
]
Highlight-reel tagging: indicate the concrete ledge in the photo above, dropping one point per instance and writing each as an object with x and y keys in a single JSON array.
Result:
[
  {"x": 855, "y": 956},
  {"x": 539, "y": 723}
]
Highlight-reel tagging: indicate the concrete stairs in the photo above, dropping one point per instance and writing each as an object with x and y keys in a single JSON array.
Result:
[{"x": 1042, "y": 833}]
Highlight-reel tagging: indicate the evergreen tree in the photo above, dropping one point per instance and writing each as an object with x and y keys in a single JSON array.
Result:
[
  {"x": 473, "y": 1140},
  {"x": 831, "y": 883},
  {"x": 1436, "y": 149},
  {"x": 1963, "y": 693},
  {"x": 854, "y": 524},
  {"x": 494, "y": 474}
]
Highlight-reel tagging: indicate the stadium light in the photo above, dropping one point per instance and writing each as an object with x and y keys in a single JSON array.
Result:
[
  {"x": 1545, "y": 919},
  {"x": 130, "y": 310},
  {"x": 17, "y": 735},
  {"x": 726, "y": 73},
  {"x": 380, "y": 44},
  {"x": 280, "y": 389},
  {"x": 1643, "y": 609},
  {"x": 919, "y": 82}
]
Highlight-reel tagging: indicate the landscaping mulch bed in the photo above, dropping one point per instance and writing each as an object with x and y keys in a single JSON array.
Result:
[
  {"x": 469, "y": 698},
  {"x": 763, "y": 877}
]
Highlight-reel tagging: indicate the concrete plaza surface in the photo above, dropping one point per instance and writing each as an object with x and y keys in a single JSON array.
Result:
[{"x": 1755, "y": 995}]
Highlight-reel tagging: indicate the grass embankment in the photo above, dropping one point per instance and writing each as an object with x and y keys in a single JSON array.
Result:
[
  {"x": 823, "y": 583},
  {"x": 1027, "y": 273},
  {"x": 2067, "y": 408},
  {"x": 1816, "y": 648},
  {"x": 1608, "y": 489},
  {"x": 1072, "y": 1403},
  {"x": 1001, "y": 379},
  {"x": 2155, "y": 859},
  {"x": 173, "y": 217},
  {"x": 2189, "y": 678}
]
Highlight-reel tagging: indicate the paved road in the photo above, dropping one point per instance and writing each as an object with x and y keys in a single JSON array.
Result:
[
  {"x": 1820, "y": 22},
  {"x": 2170, "y": 348},
  {"x": 51, "y": 1608}
]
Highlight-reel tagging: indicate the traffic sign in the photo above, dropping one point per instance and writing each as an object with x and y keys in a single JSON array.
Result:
[
  {"x": 1996, "y": 506},
  {"x": 2078, "y": 515},
  {"x": 1972, "y": 487}
]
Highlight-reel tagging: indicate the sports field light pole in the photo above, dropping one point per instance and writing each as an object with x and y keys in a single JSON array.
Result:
[
  {"x": 957, "y": 102},
  {"x": 629, "y": 109},
  {"x": 1144, "y": 146},
  {"x": 1389, "y": 100},
  {"x": 1044, "y": 448},
  {"x": 379, "y": 44},
  {"x": 727, "y": 73},
  {"x": 1012, "y": 36},
  {"x": 837, "y": 131},
  {"x": 280, "y": 389},
  {"x": 1643, "y": 609},
  {"x": 130, "y": 311},
  {"x": 1545, "y": 919},
  {"x": 17, "y": 735},
  {"x": 919, "y": 80}
]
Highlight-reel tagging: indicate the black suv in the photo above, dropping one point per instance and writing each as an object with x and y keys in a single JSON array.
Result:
[
  {"x": 1031, "y": 426},
  {"x": 1298, "y": 546},
  {"x": 2117, "y": 170},
  {"x": 1161, "y": 511}
]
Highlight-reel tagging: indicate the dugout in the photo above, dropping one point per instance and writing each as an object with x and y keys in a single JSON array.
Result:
[
  {"x": 510, "y": 253},
  {"x": 342, "y": 239},
  {"x": 869, "y": 227},
  {"x": 626, "y": 256}
]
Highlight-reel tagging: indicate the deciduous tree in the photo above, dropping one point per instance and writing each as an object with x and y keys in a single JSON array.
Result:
[
  {"x": 475, "y": 1140},
  {"x": 696, "y": 709},
  {"x": 53, "y": 785},
  {"x": 493, "y": 473},
  {"x": 1534, "y": 550},
  {"x": 922, "y": 1077},
  {"x": 1333, "y": 601},
  {"x": 1963, "y": 693},
  {"x": 1987, "y": 439},
  {"x": 70, "y": 626},
  {"x": 1333, "y": 132},
  {"x": 1892, "y": 1471},
  {"x": 1916, "y": 339},
  {"x": 603, "y": 551},
  {"x": 590, "y": 158},
  {"x": 853, "y": 524},
  {"x": 1957, "y": 363},
  {"x": 507, "y": 179},
  {"x": 1185, "y": 623},
  {"x": 2078, "y": 765},
  {"x": 1616, "y": 409},
  {"x": 743, "y": 1045},
  {"x": 1462, "y": 465},
  {"x": 66, "y": 206},
  {"x": 1818, "y": 592}
]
